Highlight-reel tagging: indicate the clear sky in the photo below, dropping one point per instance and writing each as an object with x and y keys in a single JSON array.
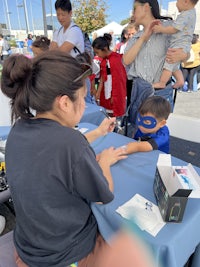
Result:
[
  {"x": 117, "y": 10},
  {"x": 120, "y": 9}
]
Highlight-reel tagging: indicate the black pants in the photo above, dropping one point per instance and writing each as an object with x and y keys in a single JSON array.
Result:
[
  {"x": 129, "y": 84},
  {"x": 188, "y": 74}
]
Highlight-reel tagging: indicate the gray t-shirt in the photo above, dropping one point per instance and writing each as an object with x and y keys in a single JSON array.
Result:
[
  {"x": 53, "y": 176},
  {"x": 185, "y": 24}
]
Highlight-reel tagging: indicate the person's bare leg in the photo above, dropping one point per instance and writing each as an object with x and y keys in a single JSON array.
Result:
[
  {"x": 178, "y": 75},
  {"x": 166, "y": 75},
  {"x": 126, "y": 250}
]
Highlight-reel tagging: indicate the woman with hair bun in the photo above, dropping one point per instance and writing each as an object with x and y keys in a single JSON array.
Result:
[
  {"x": 145, "y": 55},
  {"x": 52, "y": 171}
]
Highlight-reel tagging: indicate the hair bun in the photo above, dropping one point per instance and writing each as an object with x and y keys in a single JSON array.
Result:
[{"x": 16, "y": 72}]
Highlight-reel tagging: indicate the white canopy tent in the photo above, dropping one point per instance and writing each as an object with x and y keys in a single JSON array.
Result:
[
  {"x": 4, "y": 110},
  {"x": 111, "y": 27}
]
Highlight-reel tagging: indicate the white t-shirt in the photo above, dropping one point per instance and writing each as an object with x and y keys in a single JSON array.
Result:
[
  {"x": 73, "y": 35},
  {"x": 122, "y": 48},
  {"x": 4, "y": 52}
]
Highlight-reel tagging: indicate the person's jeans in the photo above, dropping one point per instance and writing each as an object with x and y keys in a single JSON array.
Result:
[{"x": 188, "y": 74}]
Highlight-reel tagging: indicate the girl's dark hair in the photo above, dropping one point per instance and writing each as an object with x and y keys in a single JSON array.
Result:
[
  {"x": 155, "y": 9},
  {"x": 156, "y": 105},
  {"x": 123, "y": 37},
  {"x": 102, "y": 42},
  {"x": 35, "y": 83},
  {"x": 29, "y": 36},
  {"x": 42, "y": 42},
  {"x": 64, "y": 5}
]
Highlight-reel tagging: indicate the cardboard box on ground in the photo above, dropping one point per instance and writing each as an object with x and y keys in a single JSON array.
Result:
[{"x": 172, "y": 187}]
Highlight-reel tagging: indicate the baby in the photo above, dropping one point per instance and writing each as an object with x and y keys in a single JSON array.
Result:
[{"x": 181, "y": 32}]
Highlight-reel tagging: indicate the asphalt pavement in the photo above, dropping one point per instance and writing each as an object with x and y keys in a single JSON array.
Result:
[{"x": 186, "y": 104}]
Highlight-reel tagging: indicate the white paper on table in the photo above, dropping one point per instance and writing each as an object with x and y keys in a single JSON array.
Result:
[
  {"x": 83, "y": 130},
  {"x": 144, "y": 213}
]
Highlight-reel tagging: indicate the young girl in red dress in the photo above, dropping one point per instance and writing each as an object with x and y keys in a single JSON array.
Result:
[{"x": 112, "y": 87}]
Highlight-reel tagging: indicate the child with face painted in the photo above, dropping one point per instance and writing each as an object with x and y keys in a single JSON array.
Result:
[{"x": 152, "y": 133}]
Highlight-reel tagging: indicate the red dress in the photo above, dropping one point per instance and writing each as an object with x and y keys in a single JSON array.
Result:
[{"x": 118, "y": 84}]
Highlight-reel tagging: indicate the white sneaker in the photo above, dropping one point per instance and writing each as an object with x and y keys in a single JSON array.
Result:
[
  {"x": 2, "y": 223},
  {"x": 198, "y": 86}
]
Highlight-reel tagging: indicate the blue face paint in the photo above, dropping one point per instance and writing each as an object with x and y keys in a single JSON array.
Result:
[{"x": 147, "y": 122}]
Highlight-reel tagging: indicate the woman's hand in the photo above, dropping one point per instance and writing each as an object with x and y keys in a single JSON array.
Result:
[
  {"x": 110, "y": 156},
  {"x": 149, "y": 29},
  {"x": 107, "y": 158},
  {"x": 130, "y": 55},
  {"x": 107, "y": 126}
]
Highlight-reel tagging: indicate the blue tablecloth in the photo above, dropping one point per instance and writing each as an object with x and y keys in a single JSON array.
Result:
[
  {"x": 93, "y": 114},
  {"x": 174, "y": 244},
  {"x": 4, "y": 131}
]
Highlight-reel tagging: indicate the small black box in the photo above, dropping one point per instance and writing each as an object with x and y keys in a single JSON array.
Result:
[
  {"x": 171, "y": 207},
  {"x": 172, "y": 186}
]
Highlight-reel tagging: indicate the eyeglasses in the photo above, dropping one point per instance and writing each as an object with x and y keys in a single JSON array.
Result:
[{"x": 85, "y": 74}]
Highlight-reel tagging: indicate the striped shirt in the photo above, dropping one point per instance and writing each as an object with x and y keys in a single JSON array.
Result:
[{"x": 149, "y": 62}]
